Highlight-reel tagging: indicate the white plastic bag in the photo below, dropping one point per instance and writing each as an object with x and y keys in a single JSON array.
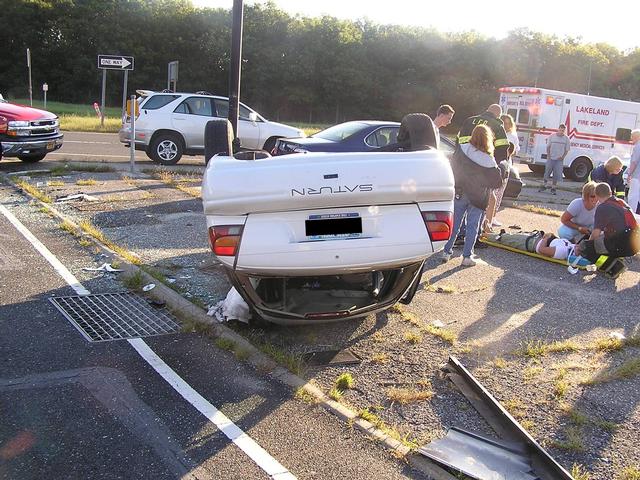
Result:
[{"x": 233, "y": 307}]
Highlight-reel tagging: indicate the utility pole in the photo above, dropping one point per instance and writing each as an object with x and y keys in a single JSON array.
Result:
[
  {"x": 589, "y": 79},
  {"x": 30, "y": 85},
  {"x": 234, "y": 70}
]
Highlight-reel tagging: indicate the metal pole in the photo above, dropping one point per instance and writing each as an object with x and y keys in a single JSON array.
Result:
[
  {"x": 30, "y": 86},
  {"x": 45, "y": 99},
  {"x": 104, "y": 89},
  {"x": 132, "y": 143},
  {"x": 169, "y": 76},
  {"x": 124, "y": 93},
  {"x": 589, "y": 80},
  {"x": 234, "y": 69}
]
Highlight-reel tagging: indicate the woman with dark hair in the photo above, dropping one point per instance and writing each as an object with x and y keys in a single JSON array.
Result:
[{"x": 476, "y": 173}]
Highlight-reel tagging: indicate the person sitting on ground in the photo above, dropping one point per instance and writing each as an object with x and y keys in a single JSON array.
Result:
[
  {"x": 577, "y": 220},
  {"x": 475, "y": 173},
  {"x": 610, "y": 172},
  {"x": 615, "y": 230}
]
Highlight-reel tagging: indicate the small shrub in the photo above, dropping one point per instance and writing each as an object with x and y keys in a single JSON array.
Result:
[
  {"x": 335, "y": 394},
  {"x": 68, "y": 227},
  {"x": 500, "y": 362},
  {"x": 412, "y": 337},
  {"x": 86, "y": 181},
  {"x": 134, "y": 282},
  {"x": 225, "y": 344},
  {"x": 55, "y": 183},
  {"x": 344, "y": 381},
  {"x": 379, "y": 358},
  {"x": 579, "y": 473},
  {"x": 442, "y": 333},
  {"x": 573, "y": 442},
  {"x": 304, "y": 396}
]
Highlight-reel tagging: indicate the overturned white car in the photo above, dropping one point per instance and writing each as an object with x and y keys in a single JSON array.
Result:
[{"x": 323, "y": 237}]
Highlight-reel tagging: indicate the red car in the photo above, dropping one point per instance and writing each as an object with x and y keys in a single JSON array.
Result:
[{"x": 27, "y": 133}]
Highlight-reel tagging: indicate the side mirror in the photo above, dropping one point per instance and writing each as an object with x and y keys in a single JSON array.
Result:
[{"x": 253, "y": 116}]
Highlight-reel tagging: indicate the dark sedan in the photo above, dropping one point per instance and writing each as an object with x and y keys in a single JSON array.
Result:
[{"x": 367, "y": 136}]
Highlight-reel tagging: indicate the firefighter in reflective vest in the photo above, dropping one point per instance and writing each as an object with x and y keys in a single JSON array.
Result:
[
  {"x": 490, "y": 118},
  {"x": 615, "y": 233},
  {"x": 611, "y": 173}
]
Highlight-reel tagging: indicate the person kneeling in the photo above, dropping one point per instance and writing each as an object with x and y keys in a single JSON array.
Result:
[{"x": 615, "y": 233}]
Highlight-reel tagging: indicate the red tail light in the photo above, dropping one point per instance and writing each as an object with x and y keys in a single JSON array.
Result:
[
  {"x": 225, "y": 239},
  {"x": 439, "y": 225},
  {"x": 4, "y": 124}
]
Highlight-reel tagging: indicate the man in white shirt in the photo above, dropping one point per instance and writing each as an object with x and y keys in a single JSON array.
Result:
[
  {"x": 634, "y": 173},
  {"x": 558, "y": 146},
  {"x": 444, "y": 115}
]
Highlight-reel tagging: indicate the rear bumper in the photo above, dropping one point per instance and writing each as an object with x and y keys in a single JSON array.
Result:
[
  {"x": 323, "y": 299},
  {"x": 14, "y": 148}
]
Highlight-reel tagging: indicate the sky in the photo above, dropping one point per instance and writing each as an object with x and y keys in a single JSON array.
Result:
[{"x": 615, "y": 22}]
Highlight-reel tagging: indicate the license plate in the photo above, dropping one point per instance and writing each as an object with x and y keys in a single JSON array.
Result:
[
  {"x": 51, "y": 145},
  {"x": 333, "y": 226}
]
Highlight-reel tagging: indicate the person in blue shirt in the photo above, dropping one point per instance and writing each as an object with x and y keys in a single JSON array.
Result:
[{"x": 610, "y": 172}]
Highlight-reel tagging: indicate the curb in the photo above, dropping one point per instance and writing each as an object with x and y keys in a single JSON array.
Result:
[{"x": 185, "y": 310}]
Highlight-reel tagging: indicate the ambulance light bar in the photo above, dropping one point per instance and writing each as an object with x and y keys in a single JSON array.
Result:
[{"x": 518, "y": 90}]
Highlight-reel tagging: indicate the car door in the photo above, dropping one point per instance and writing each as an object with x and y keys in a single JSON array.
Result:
[
  {"x": 248, "y": 131},
  {"x": 190, "y": 118}
]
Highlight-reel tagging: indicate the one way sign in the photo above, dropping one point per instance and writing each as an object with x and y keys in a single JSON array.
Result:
[{"x": 115, "y": 62}]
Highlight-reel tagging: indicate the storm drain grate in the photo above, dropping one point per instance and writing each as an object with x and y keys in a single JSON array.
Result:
[{"x": 115, "y": 316}]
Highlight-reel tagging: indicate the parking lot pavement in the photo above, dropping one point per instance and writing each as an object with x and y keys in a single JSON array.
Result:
[
  {"x": 535, "y": 334},
  {"x": 74, "y": 409}
]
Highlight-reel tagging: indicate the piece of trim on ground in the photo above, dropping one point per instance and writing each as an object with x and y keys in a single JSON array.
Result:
[{"x": 502, "y": 422}]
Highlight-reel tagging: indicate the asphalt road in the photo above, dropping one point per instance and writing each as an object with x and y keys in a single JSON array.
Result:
[{"x": 76, "y": 409}]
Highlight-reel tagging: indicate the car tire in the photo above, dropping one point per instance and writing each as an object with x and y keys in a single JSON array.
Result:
[
  {"x": 418, "y": 130},
  {"x": 270, "y": 144},
  {"x": 536, "y": 169},
  {"x": 218, "y": 138},
  {"x": 32, "y": 158},
  {"x": 580, "y": 169},
  {"x": 166, "y": 148}
]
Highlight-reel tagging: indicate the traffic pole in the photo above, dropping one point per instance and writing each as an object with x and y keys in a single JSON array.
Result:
[
  {"x": 124, "y": 93},
  {"x": 132, "y": 143},
  {"x": 104, "y": 91}
]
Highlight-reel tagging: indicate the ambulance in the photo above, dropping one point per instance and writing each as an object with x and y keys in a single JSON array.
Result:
[{"x": 597, "y": 127}]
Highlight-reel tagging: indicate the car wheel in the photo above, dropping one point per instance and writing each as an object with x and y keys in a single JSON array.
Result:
[
  {"x": 580, "y": 169},
  {"x": 270, "y": 144},
  {"x": 166, "y": 149},
  {"x": 32, "y": 158},
  {"x": 537, "y": 169},
  {"x": 418, "y": 130},
  {"x": 218, "y": 138}
]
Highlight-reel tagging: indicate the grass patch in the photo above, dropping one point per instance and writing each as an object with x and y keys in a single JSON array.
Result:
[
  {"x": 608, "y": 344},
  {"x": 345, "y": 381},
  {"x": 34, "y": 191},
  {"x": 93, "y": 231},
  {"x": 412, "y": 336},
  {"x": 573, "y": 440},
  {"x": 412, "y": 318},
  {"x": 81, "y": 123},
  {"x": 84, "y": 242},
  {"x": 408, "y": 395},
  {"x": 380, "y": 358},
  {"x": 561, "y": 385},
  {"x": 86, "y": 181},
  {"x": 241, "y": 354},
  {"x": 62, "y": 108},
  {"x": 533, "y": 348},
  {"x": 55, "y": 183},
  {"x": 442, "y": 289},
  {"x": 442, "y": 333},
  {"x": 134, "y": 282},
  {"x": 630, "y": 473},
  {"x": 304, "y": 396},
  {"x": 88, "y": 167},
  {"x": 500, "y": 362},
  {"x": 378, "y": 337},
  {"x": 67, "y": 226},
  {"x": 225, "y": 344},
  {"x": 628, "y": 369},
  {"x": 578, "y": 472},
  {"x": 377, "y": 422},
  {"x": 563, "y": 346},
  {"x": 515, "y": 407},
  {"x": 335, "y": 394},
  {"x": 541, "y": 210},
  {"x": 293, "y": 363}
]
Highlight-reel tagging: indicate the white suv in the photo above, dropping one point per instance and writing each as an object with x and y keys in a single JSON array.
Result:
[{"x": 170, "y": 125}]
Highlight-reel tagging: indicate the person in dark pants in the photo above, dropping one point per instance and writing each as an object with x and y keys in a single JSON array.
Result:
[{"x": 615, "y": 233}]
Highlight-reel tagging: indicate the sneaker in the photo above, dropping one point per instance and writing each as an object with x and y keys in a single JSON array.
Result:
[
  {"x": 472, "y": 261},
  {"x": 553, "y": 191},
  {"x": 445, "y": 257},
  {"x": 542, "y": 188},
  {"x": 496, "y": 223}
]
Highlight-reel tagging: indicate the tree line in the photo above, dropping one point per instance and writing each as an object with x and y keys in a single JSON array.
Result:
[{"x": 294, "y": 68}]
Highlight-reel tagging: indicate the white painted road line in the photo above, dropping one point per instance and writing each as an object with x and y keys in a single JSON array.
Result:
[
  {"x": 44, "y": 251},
  {"x": 84, "y": 141},
  {"x": 87, "y": 155},
  {"x": 259, "y": 455}
]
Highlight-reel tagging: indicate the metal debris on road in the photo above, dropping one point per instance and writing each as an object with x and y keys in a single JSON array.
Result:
[
  {"x": 480, "y": 457},
  {"x": 105, "y": 267},
  {"x": 77, "y": 196}
]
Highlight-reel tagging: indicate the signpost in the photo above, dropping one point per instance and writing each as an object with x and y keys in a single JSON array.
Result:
[
  {"x": 114, "y": 62},
  {"x": 172, "y": 76},
  {"x": 45, "y": 89},
  {"x": 30, "y": 86}
]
